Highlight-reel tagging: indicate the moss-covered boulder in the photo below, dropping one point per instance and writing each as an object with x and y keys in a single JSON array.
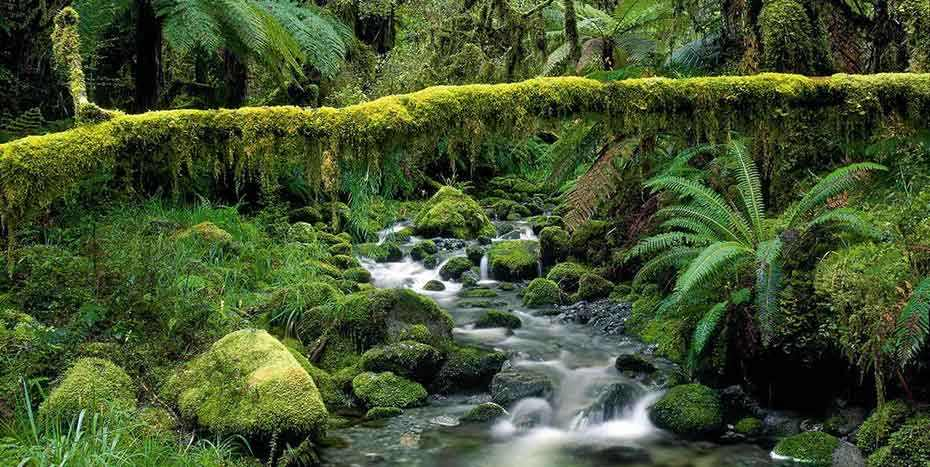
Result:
[
  {"x": 513, "y": 384},
  {"x": 375, "y": 317},
  {"x": 387, "y": 390},
  {"x": 454, "y": 268},
  {"x": 340, "y": 249},
  {"x": 478, "y": 293},
  {"x": 908, "y": 446},
  {"x": 593, "y": 287},
  {"x": 342, "y": 262},
  {"x": 451, "y": 213},
  {"x": 553, "y": 245},
  {"x": 409, "y": 359},
  {"x": 689, "y": 410},
  {"x": 749, "y": 426},
  {"x": 484, "y": 412},
  {"x": 884, "y": 421},
  {"x": 505, "y": 209},
  {"x": 423, "y": 249},
  {"x": 380, "y": 413},
  {"x": 248, "y": 383},
  {"x": 809, "y": 448},
  {"x": 498, "y": 319},
  {"x": 387, "y": 252},
  {"x": 589, "y": 242},
  {"x": 207, "y": 232},
  {"x": 538, "y": 223},
  {"x": 93, "y": 385},
  {"x": 25, "y": 351},
  {"x": 358, "y": 275},
  {"x": 567, "y": 275},
  {"x": 434, "y": 286},
  {"x": 467, "y": 368},
  {"x": 475, "y": 253},
  {"x": 541, "y": 292},
  {"x": 513, "y": 260}
]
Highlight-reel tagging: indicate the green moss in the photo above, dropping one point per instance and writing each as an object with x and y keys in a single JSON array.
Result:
[
  {"x": 910, "y": 445},
  {"x": 386, "y": 252},
  {"x": 452, "y": 213},
  {"x": 248, "y": 383},
  {"x": 789, "y": 39},
  {"x": 589, "y": 242},
  {"x": 387, "y": 390},
  {"x": 423, "y": 249},
  {"x": 379, "y": 413},
  {"x": 749, "y": 426},
  {"x": 343, "y": 262},
  {"x": 454, "y": 268},
  {"x": 409, "y": 359},
  {"x": 434, "y": 286},
  {"x": 360, "y": 275},
  {"x": 208, "y": 232},
  {"x": 484, "y": 412},
  {"x": 498, "y": 319},
  {"x": 593, "y": 287},
  {"x": 340, "y": 249},
  {"x": 505, "y": 209},
  {"x": 884, "y": 421},
  {"x": 26, "y": 351},
  {"x": 514, "y": 259},
  {"x": 811, "y": 447},
  {"x": 880, "y": 458},
  {"x": 553, "y": 245},
  {"x": 567, "y": 275},
  {"x": 478, "y": 293},
  {"x": 468, "y": 368},
  {"x": 539, "y": 223},
  {"x": 156, "y": 422},
  {"x": 92, "y": 384},
  {"x": 541, "y": 292},
  {"x": 690, "y": 410}
]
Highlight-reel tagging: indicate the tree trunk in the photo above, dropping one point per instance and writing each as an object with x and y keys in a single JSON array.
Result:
[
  {"x": 236, "y": 78},
  {"x": 148, "y": 71},
  {"x": 571, "y": 32}
]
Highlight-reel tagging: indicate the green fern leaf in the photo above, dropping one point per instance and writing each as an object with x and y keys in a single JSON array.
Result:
[
  {"x": 705, "y": 330},
  {"x": 714, "y": 261},
  {"x": 768, "y": 284},
  {"x": 913, "y": 324},
  {"x": 836, "y": 182}
]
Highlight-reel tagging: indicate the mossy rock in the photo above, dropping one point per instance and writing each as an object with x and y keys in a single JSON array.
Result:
[
  {"x": 553, "y": 245},
  {"x": 156, "y": 422},
  {"x": 749, "y": 426},
  {"x": 593, "y": 287},
  {"x": 910, "y": 445},
  {"x": 541, "y": 292},
  {"x": 809, "y": 448},
  {"x": 380, "y": 316},
  {"x": 343, "y": 262},
  {"x": 538, "y": 223},
  {"x": 513, "y": 260},
  {"x": 505, "y": 209},
  {"x": 423, "y": 249},
  {"x": 387, "y": 252},
  {"x": 94, "y": 385},
  {"x": 567, "y": 275},
  {"x": 689, "y": 410},
  {"x": 208, "y": 232},
  {"x": 635, "y": 363},
  {"x": 308, "y": 214},
  {"x": 387, "y": 390},
  {"x": 484, "y": 413},
  {"x": 478, "y": 293},
  {"x": 357, "y": 275},
  {"x": 430, "y": 262},
  {"x": 434, "y": 286},
  {"x": 248, "y": 383},
  {"x": 409, "y": 359},
  {"x": 589, "y": 242},
  {"x": 498, "y": 319},
  {"x": 475, "y": 253},
  {"x": 467, "y": 368},
  {"x": 451, "y": 213},
  {"x": 380, "y": 413},
  {"x": 26, "y": 351},
  {"x": 454, "y": 268},
  {"x": 340, "y": 249},
  {"x": 884, "y": 421}
]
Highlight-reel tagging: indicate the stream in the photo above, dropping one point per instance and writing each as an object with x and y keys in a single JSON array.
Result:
[{"x": 580, "y": 424}]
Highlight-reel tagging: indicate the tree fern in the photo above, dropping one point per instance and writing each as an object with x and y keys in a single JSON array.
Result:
[
  {"x": 704, "y": 332},
  {"x": 913, "y": 324}
]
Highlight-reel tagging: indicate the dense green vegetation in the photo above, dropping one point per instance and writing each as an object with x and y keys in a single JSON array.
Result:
[{"x": 196, "y": 239}]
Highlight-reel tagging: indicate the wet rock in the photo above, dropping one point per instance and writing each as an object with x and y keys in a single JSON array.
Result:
[
  {"x": 514, "y": 384},
  {"x": 467, "y": 368},
  {"x": 847, "y": 455},
  {"x": 634, "y": 363},
  {"x": 498, "y": 319},
  {"x": 409, "y": 359},
  {"x": 514, "y": 259},
  {"x": 781, "y": 424},
  {"x": 485, "y": 412},
  {"x": 614, "y": 454},
  {"x": 844, "y": 419},
  {"x": 738, "y": 404},
  {"x": 470, "y": 278},
  {"x": 379, "y": 413},
  {"x": 423, "y": 249},
  {"x": 444, "y": 420},
  {"x": 611, "y": 402},
  {"x": 449, "y": 244},
  {"x": 820, "y": 449},
  {"x": 605, "y": 316},
  {"x": 512, "y": 235},
  {"x": 475, "y": 253},
  {"x": 434, "y": 286},
  {"x": 553, "y": 245},
  {"x": 692, "y": 411},
  {"x": 430, "y": 262},
  {"x": 454, "y": 268}
]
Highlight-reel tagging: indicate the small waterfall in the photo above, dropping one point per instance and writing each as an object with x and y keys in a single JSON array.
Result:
[
  {"x": 389, "y": 232},
  {"x": 527, "y": 414},
  {"x": 485, "y": 273}
]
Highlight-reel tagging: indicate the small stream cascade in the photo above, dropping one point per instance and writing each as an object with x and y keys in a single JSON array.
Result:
[{"x": 593, "y": 415}]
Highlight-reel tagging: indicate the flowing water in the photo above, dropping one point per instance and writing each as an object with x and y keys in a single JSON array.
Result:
[{"x": 582, "y": 424}]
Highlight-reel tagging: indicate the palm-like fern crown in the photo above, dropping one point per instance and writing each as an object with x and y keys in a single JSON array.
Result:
[{"x": 279, "y": 34}]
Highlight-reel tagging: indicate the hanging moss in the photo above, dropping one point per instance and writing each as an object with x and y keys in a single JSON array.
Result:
[{"x": 789, "y": 39}]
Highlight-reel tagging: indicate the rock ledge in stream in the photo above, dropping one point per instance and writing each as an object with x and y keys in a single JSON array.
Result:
[
  {"x": 604, "y": 315},
  {"x": 514, "y": 384}
]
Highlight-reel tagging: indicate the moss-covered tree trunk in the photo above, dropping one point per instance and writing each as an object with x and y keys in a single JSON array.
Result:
[
  {"x": 148, "y": 70},
  {"x": 571, "y": 32}
]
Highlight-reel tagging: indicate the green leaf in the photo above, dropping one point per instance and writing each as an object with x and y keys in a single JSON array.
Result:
[
  {"x": 913, "y": 325},
  {"x": 713, "y": 261},
  {"x": 768, "y": 284},
  {"x": 704, "y": 332}
]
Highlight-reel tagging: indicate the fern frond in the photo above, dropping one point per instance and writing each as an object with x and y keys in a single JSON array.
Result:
[
  {"x": 578, "y": 144},
  {"x": 704, "y": 331},
  {"x": 688, "y": 225},
  {"x": 323, "y": 38},
  {"x": 700, "y": 215},
  {"x": 724, "y": 214},
  {"x": 714, "y": 261},
  {"x": 556, "y": 59},
  {"x": 749, "y": 186},
  {"x": 598, "y": 183},
  {"x": 677, "y": 258},
  {"x": 664, "y": 241},
  {"x": 913, "y": 324},
  {"x": 836, "y": 182},
  {"x": 768, "y": 284},
  {"x": 848, "y": 219}
]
